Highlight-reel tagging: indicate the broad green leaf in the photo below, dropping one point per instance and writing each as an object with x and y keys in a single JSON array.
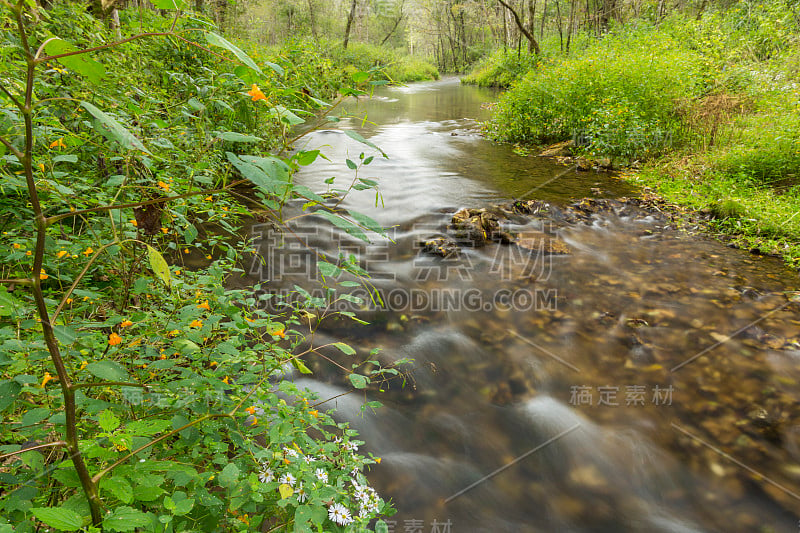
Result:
[
  {"x": 35, "y": 415},
  {"x": 65, "y": 334},
  {"x": 344, "y": 224},
  {"x": 229, "y": 475},
  {"x": 285, "y": 115},
  {"x": 108, "y": 370},
  {"x": 159, "y": 265},
  {"x": 8, "y": 304},
  {"x": 351, "y": 164},
  {"x": 119, "y": 487},
  {"x": 66, "y": 158},
  {"x": 358, "y": 381},
  {"x": 218, "y": 40},
  {"x": 368, "y": 222},
  {"x": 9, "y": 390},
  {"x": 58, "y": 517},
  {"x": 147, "y": 493},
  {"x": 168, "y": 4},
  {"x": 305, "y": 192},
  {"x": 360, "y": 77},
  {"x": 190, "y": 234},
  {"x": 111, "y": 129},
  {"x": 360, "y": 138},
  {"x": 307, "y": 157},
  {"x": 126, "y": 519},
  {"x": 301, "y": 366},
  {"x": 232, "y": 136},
  {"x": 92, "y": 70},
  {"x": 186, "y": 346},
  {"x": 108, "y": 421},
  {"x": 328, "y": 269},
  {"x": 269, "y": 174},
  {"x": 345, "y": 348}
]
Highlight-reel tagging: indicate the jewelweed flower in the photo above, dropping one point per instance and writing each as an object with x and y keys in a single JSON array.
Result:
[
  {"x": 204, "y": 305},
  {"x": 163, "y": 185},
  {"x": 134, "y": 223},
  {"x": 41, "y": 167},
  {"x": 208, "y": 198},
  {"x": 43, "y": 275},
  {"x": 174, "y": 333},
  {"x": 58, "y": 143},
  {"x": 256, "y": 93},
  {"x": 314, "y": 413},
  {"x": 114, "y": 339},
  {"x": 226, "y": 380},
  {"x": 196, "y": 324},
  {"x": 280, "y": 333},
  {"x": 251, "y": 410},
  {"x": 87, "y": 252},
  {"x": 69, "y": 300},
  {"x": 16, "y": 246},
  {"x": 61, "y": 254},
  {"x": 164, "y": 230},
  {"x": 28, "y": 253},
  {"x": 47, "y": 377},
  {"x": 126, "y": 323}
]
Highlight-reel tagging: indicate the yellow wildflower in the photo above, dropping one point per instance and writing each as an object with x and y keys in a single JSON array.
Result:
[
  {"x": 58, "y": 143},
  {"x": 196, "y": 324},
  {"x": 126, "y": 323},
  {"x": 87, "y": 252},
  {"x": 47, "y": 377},
  {"x": 114, "y": 339},
  {"x": 43, "y": 274},
  {"x": 256, "y": 93},
  {"x": 204, "y": 305},
  {"x": 61, "y": 254}
]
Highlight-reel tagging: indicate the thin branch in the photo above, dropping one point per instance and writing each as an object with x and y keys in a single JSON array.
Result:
[
  {"x": 107, "y": 384},
  {"x": 32, "y": 448},
  {"x": 11, "y": 96},
  {"x": 97, "y": 477},
  {"x": 13, "y": 149}
]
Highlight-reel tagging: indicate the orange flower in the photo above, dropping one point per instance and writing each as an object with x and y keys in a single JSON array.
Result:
[
  {"x": 204, "y": 305},
  {"x": 314, "y": 413},
  {"x": 58, "y": 143},
  {"x": 378, "y": 460},
  {"x": 61, "y": 254},
  {"x": 164, "y": 230},
  {"x": 41, "y": 167},
  {"x": 47, "y": 377},
  {"x": 43, "y": 275},
  {"x": 87, "y": 252},
  {"x": 134, "y": 223},
  {"x": 256, "y": 93},
  {"x": 126, "y": 323},
  {"x": 114, "y": 339},
  {"x": 196, "y": 324},
  {"x": 208, "y": 198},
  {"x": 251, "y": 410},
  {"x": 212, "y": 364},
  {"x": 163, "y": 356},
  {"x": 163, "y": 186},
  {"x": 226, "y": 380},
  {"x": 280, "y": 333}
]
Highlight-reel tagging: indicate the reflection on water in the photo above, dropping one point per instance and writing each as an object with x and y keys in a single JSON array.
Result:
[{"x": 653, "y": 388}]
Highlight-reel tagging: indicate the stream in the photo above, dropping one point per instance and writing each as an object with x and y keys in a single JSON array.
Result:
[{"x": 633, "y": 378}]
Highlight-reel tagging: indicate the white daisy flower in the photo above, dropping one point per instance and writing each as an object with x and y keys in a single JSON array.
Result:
[
  {"x": 288, "y": 479},
  {"x": 339, "y": 514},
  {"x": 350, "y": 446},
  {"x": 302, "y": 495},
  {"x": 266, "y": 475},
  {"x": 310, "y": 459},
  {"x": 322, "y": 475}
]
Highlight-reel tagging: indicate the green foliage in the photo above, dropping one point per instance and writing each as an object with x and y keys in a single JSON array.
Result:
[
  {"x": 392, "y": 65},
  {"x": 616, "y": 98},
  {"x": 147, "y": 384},
  {"x": 501, "y": 69}
]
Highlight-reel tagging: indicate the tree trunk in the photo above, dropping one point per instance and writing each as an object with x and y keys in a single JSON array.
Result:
[
  {"x": 532, "y": 21},
  {"x": 311, "y": 19},
  {"x": 571, "y": 19},
  {"x": 350, "y": 18},
  {"x": 544, "y": 12},
  {"x": 396, "y": 23},
  {"x": 521, "y": 26}
]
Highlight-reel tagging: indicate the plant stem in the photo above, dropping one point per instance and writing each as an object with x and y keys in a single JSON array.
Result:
[{"x": 68, "y": 393}]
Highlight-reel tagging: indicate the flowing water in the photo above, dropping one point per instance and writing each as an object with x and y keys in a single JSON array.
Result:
[{"x": 645, "y": 381}]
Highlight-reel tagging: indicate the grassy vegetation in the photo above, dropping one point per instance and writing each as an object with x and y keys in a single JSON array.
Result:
[
  {"x": 395, "y": 66},
  {"x": 708, "y": 109}
]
